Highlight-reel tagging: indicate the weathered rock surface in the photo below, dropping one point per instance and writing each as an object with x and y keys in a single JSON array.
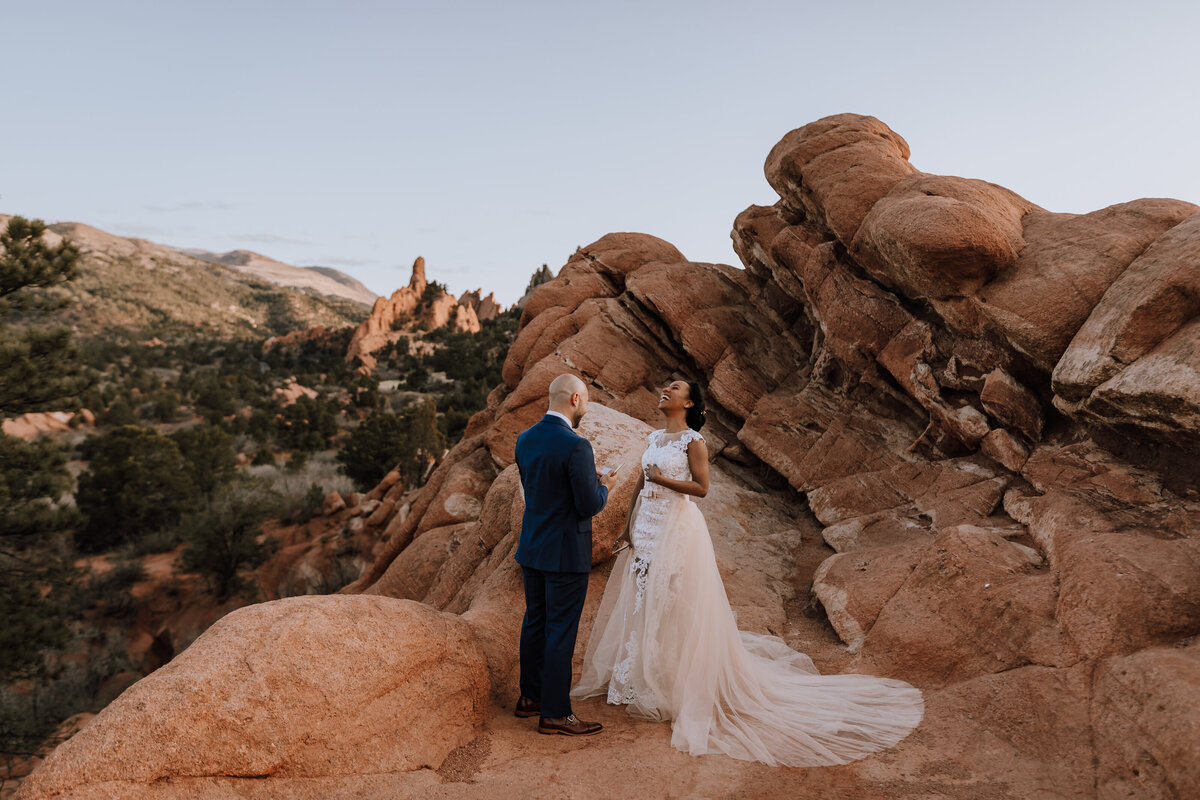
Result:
[
  {"x": 838, "y": 168},
  {"x": 1134, "y": 363},
  {"x": 1066, "y": 266},
  {"x": 291, "y": 391},
  {"x": 35, "y": 423},
  {"x": 485, "y": 308},
  {"x": 313, "y": 687},
  {"x": 332, "y": 503},
  {"x": 974, "y": 604},
  {"x": 1146, "y": 717}
]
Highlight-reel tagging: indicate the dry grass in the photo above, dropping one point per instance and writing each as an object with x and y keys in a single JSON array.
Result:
[{"x": 320, "y": 469}]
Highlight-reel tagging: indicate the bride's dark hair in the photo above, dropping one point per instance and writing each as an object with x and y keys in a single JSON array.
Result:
[{"x": 695, "y": 414}]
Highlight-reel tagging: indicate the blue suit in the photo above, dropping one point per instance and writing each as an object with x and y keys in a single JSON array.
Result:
[{"x": 558, "y": 475}]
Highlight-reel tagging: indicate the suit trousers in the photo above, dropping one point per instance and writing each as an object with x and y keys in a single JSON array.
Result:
[{"x": 553, "y": 605}]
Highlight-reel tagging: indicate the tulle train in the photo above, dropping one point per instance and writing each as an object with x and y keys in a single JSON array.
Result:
[{"x": 666, "y": 644}]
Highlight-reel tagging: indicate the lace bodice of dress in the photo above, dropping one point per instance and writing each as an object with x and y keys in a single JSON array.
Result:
[{"x": 668, "y": 452}]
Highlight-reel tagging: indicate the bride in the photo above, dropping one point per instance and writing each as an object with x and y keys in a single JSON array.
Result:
[{"x": 666, "y": 644}]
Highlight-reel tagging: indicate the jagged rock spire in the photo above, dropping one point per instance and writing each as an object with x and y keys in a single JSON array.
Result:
[{"x": 417, "y": 282}]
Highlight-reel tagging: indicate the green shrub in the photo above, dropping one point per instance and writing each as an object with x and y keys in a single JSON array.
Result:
[
  {"x": 223, "y": 537},
  {"x": 136, "y": 482},
  {"x": 297, "y": 461},
  {"x": 164, "y": 405},
  {"x": 433, "y": 290},
  {"x": 214, "y": 400},
  {"x": 161, "y": 540},
  {"x": 310, "y": 504},
  {"x": 120, "y": 412},
  {"x": 28, "y": 716},
  {"x": 30, "y": 624},
  {"x": 37, "y": 366},
  {"x": 307, "y": 424},
  {"x": 374, "y": 447},
  {"x": 409, "y": 441},
  {"x": 33, "y": 476},
  {"x": 109, "y": 591},
  {"x": 208, "y": 451},
  {"x": 416, "y": 378}
]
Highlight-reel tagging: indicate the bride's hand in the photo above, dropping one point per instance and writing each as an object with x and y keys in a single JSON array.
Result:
[{"x": 653, "y": 474}]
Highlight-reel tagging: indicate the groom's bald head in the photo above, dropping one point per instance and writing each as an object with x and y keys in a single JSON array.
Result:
[{"x": 569, "y": 397}]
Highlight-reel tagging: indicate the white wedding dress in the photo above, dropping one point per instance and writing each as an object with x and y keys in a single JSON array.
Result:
[{"x": 666, "y": 644}]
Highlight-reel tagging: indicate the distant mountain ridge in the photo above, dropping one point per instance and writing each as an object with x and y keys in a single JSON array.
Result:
[
  {"x": 325, "y": 280},
  {"x": 137, "y": 287}
]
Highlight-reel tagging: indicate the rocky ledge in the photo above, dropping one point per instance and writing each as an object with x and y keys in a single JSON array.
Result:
[{"x": 954, "y": 442}]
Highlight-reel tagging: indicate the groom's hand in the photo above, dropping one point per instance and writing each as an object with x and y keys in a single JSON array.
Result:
[{"x": 608, "y": 479}]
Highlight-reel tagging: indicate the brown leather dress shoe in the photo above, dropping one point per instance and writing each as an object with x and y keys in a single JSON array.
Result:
[
  {"x": 527, "y": 707},
  {"x": 568, "y": 726}
]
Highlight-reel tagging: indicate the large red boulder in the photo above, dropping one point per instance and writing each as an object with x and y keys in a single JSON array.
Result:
[
  {"x": 307, "y": 687},
  {"x": 838, "y": 168}
]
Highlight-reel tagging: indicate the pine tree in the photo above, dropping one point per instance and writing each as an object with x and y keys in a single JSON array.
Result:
[
  {"x": 29, "y": 627},
  {"x": 28, "y": 262},
  {"x": 425, "y": 441},
  {"x": 33, "y": 476},
  {"x": 409, "y": 441},
  {"x": 375, "y": 446},
  {"x": 307, "y": 424},
  {"x": 224, "y": 536},
  {"x": 36, "y": 367},
  {"x": 136, "y": 482},
  {"x": 208, "y": 451}
]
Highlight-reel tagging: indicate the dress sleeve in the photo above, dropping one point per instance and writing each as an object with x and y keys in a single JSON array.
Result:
[{"x": 690, "y": 436}]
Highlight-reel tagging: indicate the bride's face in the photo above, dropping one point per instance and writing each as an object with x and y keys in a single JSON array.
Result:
[{"x": 676, "y": 396}]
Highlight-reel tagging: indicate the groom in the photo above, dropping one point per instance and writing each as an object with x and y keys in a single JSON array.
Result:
[{"x": 562, "y": 493}]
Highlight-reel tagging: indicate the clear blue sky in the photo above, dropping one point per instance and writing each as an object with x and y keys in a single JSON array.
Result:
[{"x": 492, "y": 137}]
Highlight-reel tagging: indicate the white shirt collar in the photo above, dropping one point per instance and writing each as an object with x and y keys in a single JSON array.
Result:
[{"x": 561, "y": 416}]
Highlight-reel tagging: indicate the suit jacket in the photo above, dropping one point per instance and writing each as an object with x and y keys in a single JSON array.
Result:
[{"x": 558, "y": 474}]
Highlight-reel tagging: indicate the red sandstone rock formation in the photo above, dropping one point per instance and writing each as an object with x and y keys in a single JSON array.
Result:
[
  {"x": 302, "y": 689},
  {"x": 35, "y": 423},
  {"x": 392, "y": 318},
  {"x": 976, "y": 399},
  {"x": 485, "y": 308},
  {"x": 295, "y": 339},
  {"x": 291, "y": 391}
]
